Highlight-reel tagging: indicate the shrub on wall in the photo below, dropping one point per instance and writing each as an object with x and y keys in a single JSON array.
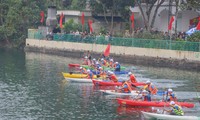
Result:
[{"x": 195, "y": 37}]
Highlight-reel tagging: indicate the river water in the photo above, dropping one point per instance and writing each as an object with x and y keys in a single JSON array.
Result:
[{"x": 32, "y": 88}]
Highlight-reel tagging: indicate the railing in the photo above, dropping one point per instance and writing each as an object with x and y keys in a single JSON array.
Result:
[{"x": 129, "y": 42}]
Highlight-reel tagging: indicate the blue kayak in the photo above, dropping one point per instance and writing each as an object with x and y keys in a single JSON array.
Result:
[{"x": 116, "y": 72}]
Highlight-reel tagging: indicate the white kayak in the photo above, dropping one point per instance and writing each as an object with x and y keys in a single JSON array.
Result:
[
  {"x": 148, "y": 115},
  {"x": 79, "y": 80},
  {"x": 113, "y": 92}
]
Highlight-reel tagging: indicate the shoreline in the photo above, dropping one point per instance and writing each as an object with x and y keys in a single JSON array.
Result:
[{"x": 182, "y": 64}]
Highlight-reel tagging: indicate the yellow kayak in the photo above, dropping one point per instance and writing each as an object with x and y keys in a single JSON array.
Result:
[{"x": 76, "y": 75}]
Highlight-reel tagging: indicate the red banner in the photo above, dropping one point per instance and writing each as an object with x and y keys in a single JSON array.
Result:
[
  {"x": 132, "y": 20},
  {"x": 107, "y": 50},
  {"x": 90, "y": 25},
  {"x": 61, "y": 20},
  {"x": 170, "y": 23},
  {"x": 82, "y": 18},
  {"x": 198, "y": 26},
  {"x": 42, "y": 16}
]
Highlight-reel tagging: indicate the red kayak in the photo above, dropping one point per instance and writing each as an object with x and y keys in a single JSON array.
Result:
[
  {"x": 110, "y": 83},
  {"x": 73, "y": 65},
  {"x": 152, "y": 103}
]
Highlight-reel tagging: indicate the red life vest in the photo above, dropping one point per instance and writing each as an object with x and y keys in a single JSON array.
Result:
[{"x": 133, "y": 79}]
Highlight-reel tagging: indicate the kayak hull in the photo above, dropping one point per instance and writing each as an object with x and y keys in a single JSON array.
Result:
[
  {"x": 110, "y": 83},
  {"x": 148, "y": 115},
  {"x": 152, "y": 103},
  {"x": 116, "y": 72},
  {"x": 113, "y": 92},
  {"x": 79, "y": 80},
  {"x": 76, "y": 75},
  {"x": 73, "y": 65}
]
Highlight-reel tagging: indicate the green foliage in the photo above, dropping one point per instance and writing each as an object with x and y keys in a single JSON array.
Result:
[
  {"x": 70, "y": 25},
  {"x": 195, "y": 37}
]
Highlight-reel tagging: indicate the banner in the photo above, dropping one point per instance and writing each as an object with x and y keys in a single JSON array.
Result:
[
  {"x": 61, "y": 20},
  {"x": 42, "y": 16},
  {"x": 107, "y": 51},
  {"x": 170, "y": 23}
]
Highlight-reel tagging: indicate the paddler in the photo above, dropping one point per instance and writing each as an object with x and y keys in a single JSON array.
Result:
[
  {"x": 125, "y": 88},
  {"x": 145, "y": 96},
  {"x": 83, "y": 70},
  {"x": 117, "y": 66},
  {"x": 90, "y": 75},
  {"x": 112, "y": 77},
  {"x": 132, "y": 78},
  {"x": 103, "y": 62},
  {"x": 111, "y": 64},
  {"x": 170, "y": 96},
  {"x": 176, "y": 109},
  {"x": 150, "y": 87}
]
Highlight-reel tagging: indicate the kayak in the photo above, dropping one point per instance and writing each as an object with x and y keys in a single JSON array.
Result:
[
  {"x": 73, "y": 65},
  {"x": 79, "y": 80},
  {"x": 149, "y": 115},
  {"x": 110, "y": 83},
  {"x": 116, "y": 72},
  {"x": 76, "y": 75},
  {"x": 113, "y": 92},
  {"x": 152, "y": 103}
]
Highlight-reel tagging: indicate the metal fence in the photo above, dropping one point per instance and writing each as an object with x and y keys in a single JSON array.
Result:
[{"x": 118, "y": 41}]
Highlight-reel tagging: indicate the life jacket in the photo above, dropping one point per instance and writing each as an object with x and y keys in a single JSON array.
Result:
[
  {"x": 133, "y": 79},
  {"x": 147, "y": 97},
  {"x": 113, "y": 78},
  {"x": 111, "y": 64},
  {"x": 126, "y": 87},
  {"x": 152, "y": 89},
  {"x": 104, "y": 62},
  {"x": 90, "y": 75},
  {"x": 178, "y": 110},
  {"x": 172, "y": 97},
  {"x": 118, "y": 66}
]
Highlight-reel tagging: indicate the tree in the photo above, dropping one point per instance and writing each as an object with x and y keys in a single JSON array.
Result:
[
  {"x": 112, "y": 7},
  {"x": 148, "y": 10},
  {"x": 189, "y": 4}
]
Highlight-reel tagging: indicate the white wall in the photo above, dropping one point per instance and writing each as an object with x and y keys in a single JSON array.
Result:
[{"x": 115, "y": 49}]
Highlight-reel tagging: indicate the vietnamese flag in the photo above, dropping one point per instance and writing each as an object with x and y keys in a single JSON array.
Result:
[
  {"x": 170, "y": 23},
  {"x": 107, "y": 50},
  {"x": 61, "y": 20},
  {"x": 132, "y": 20},
  {"x": 42, "y": 16},
  {"x": 90, "y": 25}
]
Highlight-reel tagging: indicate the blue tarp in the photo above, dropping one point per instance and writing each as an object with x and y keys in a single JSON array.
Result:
[{"x": 191, "y": 31}]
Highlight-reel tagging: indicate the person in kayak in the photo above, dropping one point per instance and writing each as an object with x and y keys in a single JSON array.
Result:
[
  {"x": 170, "y": 96},
  {"x": 112, "y": 77},
  {"x": 83, "y": 70},
  {"x": 117, "y": 66},
  {"x": 125, "y": 88},
  {"x": 132, "y": 78},
  {"x": 150, "y": 87},
  {"x": 90, "y": 75},
  {"x": 176, "y": 109},
  {"x": 111, "y": 63},
  {"x": 145, "y": 96},
  {"x": 103, "y": 62}
]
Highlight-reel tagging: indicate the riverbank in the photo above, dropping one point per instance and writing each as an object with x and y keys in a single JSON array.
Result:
[{"x": 183, "y": 60}]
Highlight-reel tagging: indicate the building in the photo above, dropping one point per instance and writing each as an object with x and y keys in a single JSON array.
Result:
[{"x": 167, "y": 9}]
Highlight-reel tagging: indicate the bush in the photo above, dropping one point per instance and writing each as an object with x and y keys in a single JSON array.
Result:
[{"x": 195, "y": 37}]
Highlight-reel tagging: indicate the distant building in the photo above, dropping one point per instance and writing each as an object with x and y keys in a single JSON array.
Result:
[{"x": 184, "y": 18}]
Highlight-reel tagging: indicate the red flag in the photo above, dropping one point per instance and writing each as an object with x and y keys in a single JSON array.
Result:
[
  {"x": 61, "y": 20},
  {"x": 82, "y": 18},
  {"x": 198, "y": 26},
  {"x": 90, "y": 25},
  {"x": 132, "y": 20},
  {"x": 170, "y": 23},
  {"x": 107, "y": 51},
  {"x": 42, "y": 16}
]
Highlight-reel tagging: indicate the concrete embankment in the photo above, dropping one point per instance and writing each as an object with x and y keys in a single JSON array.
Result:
[{"x": 185, "y": 60}]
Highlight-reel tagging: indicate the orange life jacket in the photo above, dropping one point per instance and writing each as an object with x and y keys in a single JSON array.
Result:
[
  {"x": 113, "y": 78},
  {"x": 133, "y": 79},
  {"x": 128, "y": 89},
  {"x": 152, "y": 88}
]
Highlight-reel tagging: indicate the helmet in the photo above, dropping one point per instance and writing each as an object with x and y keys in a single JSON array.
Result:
[
  {"x": 100, "y": 68},
  {"x": 102, "y": 59},
  {"x": 97, "y": 62},
  {"x": 129, "y": 73},
  {"x": 111, "y": 73},
  {"x": 111, "y": 60},
  {"x": 94, "y": 59},
  {"x": 81, "y": 68},
  {"x": 172, "y": 103},
  {"x": 170, "y": 90},
  {"x": 116, "y": 62},
  {"x": 88, "y": 70},
  {"x": 148, "y": 81},
  {"x": 86, "y": 57}
]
